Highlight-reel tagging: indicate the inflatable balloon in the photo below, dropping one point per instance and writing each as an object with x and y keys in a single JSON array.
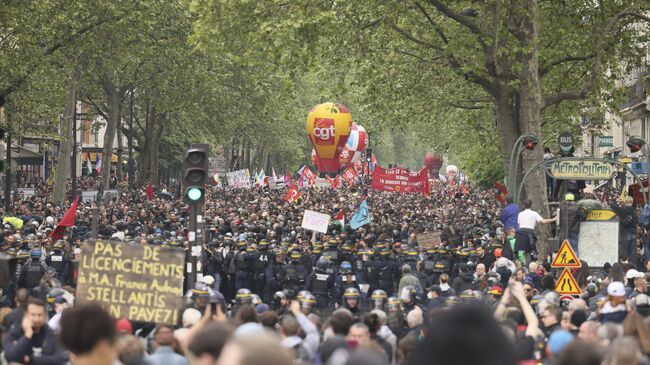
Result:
[
  {"x": 433, "y": 163},
  {"x": 325, "y": 164},
  {"x": 452, "y": 169},
  {"x": 328, "y": 127},
  {"x": 358, "y": 140}
]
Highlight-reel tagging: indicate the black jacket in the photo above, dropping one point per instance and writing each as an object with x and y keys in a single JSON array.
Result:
[{"x": 42, "y": 349}]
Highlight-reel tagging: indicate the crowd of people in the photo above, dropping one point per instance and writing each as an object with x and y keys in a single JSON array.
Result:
[{"x": 271, "y": 292}]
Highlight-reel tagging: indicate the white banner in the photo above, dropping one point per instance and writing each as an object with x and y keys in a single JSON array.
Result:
[
  {"x": 27, "y": 192},
  {"x": 239, "y": 179},
  {"x": 88, "y": 196},
  {"x": 315, "y": 221}
]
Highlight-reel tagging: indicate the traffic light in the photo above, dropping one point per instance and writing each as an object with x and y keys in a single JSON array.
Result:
[
  {"x": 195, "y": 173},
  {"x": 635, "y": 143},
  {"x": 530, "y": 142}
]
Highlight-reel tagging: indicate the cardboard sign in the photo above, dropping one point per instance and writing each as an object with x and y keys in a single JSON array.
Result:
[
  {"x": 315, "y": 221},
  {"x": 566, "y": 257},
  {"x": 566, "y": 284},
  {"x": 430, "y": 239},
  {"x": 88, "y": 196},
  {"x": 27, "y": 192},
  {"x": 141, "y": 283}
]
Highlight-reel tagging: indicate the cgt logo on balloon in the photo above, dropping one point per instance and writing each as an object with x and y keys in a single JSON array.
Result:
[{"x": 324, "y": 132}]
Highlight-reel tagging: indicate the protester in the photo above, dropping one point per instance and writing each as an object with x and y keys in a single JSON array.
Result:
[{"x": 33, "y": 342}]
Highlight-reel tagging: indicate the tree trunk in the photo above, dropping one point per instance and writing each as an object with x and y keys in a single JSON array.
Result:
[
  {"x": 530, "y": 108},
  {"x": 155, "y": 150},
  {"x": 113, "y": 100},
  {"x": 131, "y": 169},
  {"x": 507, "y": 124},
  {"x": 120, "y": 148},
  {"x": 63, "y": 163},
  {"x": 146, "y": 155}
]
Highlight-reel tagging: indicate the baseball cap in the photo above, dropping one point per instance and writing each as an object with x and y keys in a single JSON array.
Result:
[
  {"x": 123, "y": 326},
  {"x": 495, "y": 290},
  {"x": 633, "y": 274},
  {"x": 616, "y": 289},
  {"x": 559, "y": 340}
]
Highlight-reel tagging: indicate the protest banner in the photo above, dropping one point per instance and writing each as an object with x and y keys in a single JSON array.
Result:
[
  {"x": 400, "y": 180},
  {"x": 141, "y": 283},
  {"x": 239, "y": 179},
  {"x": 27, "y": 192},
  {"x": 315, "y": 221},
  {"x": 88, "y": 196},
  {"x": 429, "y": 239}
]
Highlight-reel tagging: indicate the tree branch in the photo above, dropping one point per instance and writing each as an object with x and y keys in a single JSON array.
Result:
[
  {"x": 95, "y": 105},
  {"x": 546, "y": 68},
  {"x": 460, "y": 19},
  {"x": 601, "y": 46},
  {"x": 433, "y": 24}
]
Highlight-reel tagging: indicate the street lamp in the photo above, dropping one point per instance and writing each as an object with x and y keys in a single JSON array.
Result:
[
  {"x": 526, "y": 141},
  {"x": 636, "y": 143}
]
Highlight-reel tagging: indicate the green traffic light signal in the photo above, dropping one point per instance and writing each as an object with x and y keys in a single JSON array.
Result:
[{"x": 194, "y": 194}]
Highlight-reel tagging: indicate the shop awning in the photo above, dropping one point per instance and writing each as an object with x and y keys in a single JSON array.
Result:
[
  {"x": 101, "y": 155},
  {"x": 23, "y": 156}
]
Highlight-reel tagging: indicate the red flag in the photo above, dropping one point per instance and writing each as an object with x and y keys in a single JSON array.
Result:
[
  {"x": 350, "y": 176},
  {"x": 67, "y": 221},
  {"x": 149, "y": 191},
  {"x": 336, "y": 182},
  {"x": 500, "y": 193},
  {"x": 292, "y": 195}
]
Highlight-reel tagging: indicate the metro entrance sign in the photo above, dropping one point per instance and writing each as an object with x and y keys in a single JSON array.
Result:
[{"x": 581, "y": 169}]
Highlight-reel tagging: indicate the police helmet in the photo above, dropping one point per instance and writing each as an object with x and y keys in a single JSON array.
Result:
[
  {"x": 408, "y": 294},
  {"x": 322, "y": 263},
  {"x": 244, "y": 296},
  {"x": 200, "y": 291},
  {"x": 255, "y": 299},
  {"x": 306, "y": 300},
  {"x": 393, "y": 304},
  {"x": 295, "y": 255},
  {"x": 345, "y": 267},
  {"x": 378, "y": 298}
]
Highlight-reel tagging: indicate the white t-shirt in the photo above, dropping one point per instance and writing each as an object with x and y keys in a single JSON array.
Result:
[{"x": 528, "y": 219}]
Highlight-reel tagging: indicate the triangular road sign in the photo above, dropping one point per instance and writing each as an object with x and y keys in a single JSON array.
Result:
[
  {"x": 566, "y": 284},
  {"x": 566, "y": 257}
]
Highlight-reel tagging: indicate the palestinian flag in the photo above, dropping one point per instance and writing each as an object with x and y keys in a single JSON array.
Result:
[{"x": 340, "y": 218}]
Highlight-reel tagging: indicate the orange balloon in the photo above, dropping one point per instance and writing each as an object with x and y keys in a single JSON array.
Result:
[{"x": 328, "y": 127}]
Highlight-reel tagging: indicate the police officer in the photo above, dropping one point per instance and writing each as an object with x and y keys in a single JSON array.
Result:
[
  {"x": 259, "y": 269},
  {"x": 409, "y": 299},
  {"x": 32, "y": 272},
  {"x": 351, "y": 301},
  {"x": 57, "y": 259},
  {"x": 292, "y": 275},
  {"x": 344, "y": 279},
  {"x": 242, "y": 267},
  {"x": 378, "y": 300},
  {"x": 321, "y": 284},
  {"x": 387, "y": 273}
]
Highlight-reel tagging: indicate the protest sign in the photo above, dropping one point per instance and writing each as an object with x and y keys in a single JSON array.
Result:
[
  {"x": 239, "y": 179},
  {"x": 315, "y": 221},
  {"x": 141, "y": 283},
  {"x": 430, "y": 239},
  {"x": 89, "y": 196},
  {"x": 400, "y": 180},
  {"x": 27, "y": 192}
]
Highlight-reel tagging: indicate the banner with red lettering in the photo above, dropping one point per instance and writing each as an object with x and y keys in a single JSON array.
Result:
[{"x": 400, "y": 180}]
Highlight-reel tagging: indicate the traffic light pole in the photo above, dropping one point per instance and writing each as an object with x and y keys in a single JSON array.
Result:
[
  {"x": 8, "y": 175},
  {"x": 192, "y": 260}
]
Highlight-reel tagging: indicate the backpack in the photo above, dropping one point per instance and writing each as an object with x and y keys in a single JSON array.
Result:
[
  {"x": 644, "y": 218},
  {"x": 291, "y": 276}
]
